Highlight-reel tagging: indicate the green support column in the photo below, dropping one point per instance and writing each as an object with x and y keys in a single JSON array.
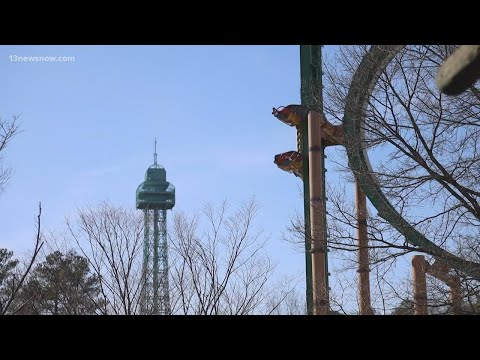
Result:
[{"x": 311, "y": 96}]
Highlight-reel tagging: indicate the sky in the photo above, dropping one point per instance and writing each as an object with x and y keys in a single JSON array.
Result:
[{"x": 89, "y": 127}]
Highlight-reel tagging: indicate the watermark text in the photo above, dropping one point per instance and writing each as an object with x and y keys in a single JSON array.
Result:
[{"x": 18, "y": 58}]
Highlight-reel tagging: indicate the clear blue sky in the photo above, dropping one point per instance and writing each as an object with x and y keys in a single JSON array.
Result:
[{"x": 89, "y": 128}]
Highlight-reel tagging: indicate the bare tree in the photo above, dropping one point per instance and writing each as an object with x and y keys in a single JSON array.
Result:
[
  {"x": 423, "y": 148},
  {"x": 111, "y": 238},
  {"x": 12, "y": 277},
  {"x": 221, "y": 267},
  {"x": 13, "y": 274},
  {"x": 8, "y": 129},
  {"x": 424, "y": 144},
  {"x": 424, "y": 152}
]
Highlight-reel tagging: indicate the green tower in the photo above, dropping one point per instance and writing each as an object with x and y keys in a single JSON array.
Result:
[{"x": 155, "y": 196}]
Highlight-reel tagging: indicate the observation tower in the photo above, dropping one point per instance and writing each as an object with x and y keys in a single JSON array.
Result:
[{"x": 155, "y": 196}]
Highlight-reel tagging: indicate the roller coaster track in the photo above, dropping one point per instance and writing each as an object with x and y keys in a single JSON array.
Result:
[{"x": 366, "y": 76}]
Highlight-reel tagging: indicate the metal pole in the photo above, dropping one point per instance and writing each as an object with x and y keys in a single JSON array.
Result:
[
  {"x": 311, "y": 97},
  {"x": 317, "y": 212},
  {"x": 155, "y": 261},
  {"x": 363, "y": 260},
  {"x": 164, "y": 283},
  {"x": 419, "y": 285},
  {"x": 440, "y": 270},
  {"x": 145, "y": 268}
]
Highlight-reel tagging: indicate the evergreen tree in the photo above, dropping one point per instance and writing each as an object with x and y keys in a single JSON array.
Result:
[
  {"x": 62, "y": 285},
  {"x": 7, "y": 268}
]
